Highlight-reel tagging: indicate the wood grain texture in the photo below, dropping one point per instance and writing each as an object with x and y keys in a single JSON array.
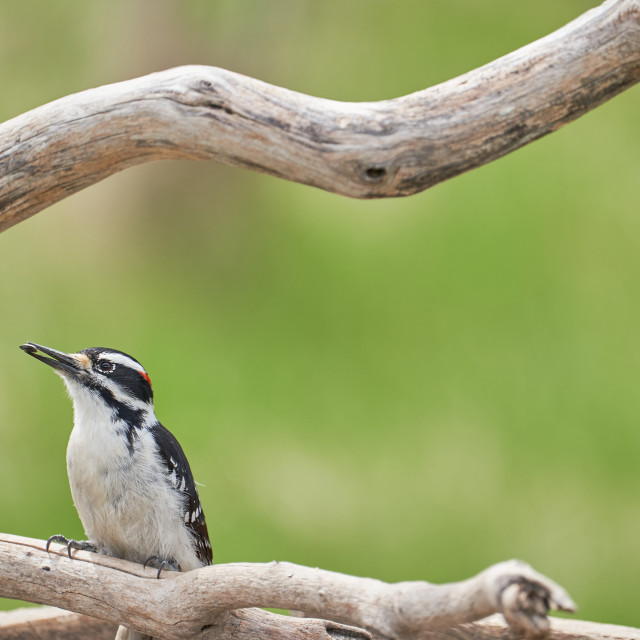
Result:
[
  {"x": 219, "y": 601},
  {"x": 494, "y": 628},
  {"x": 50, "y": 623},
  {"x": 365, "y": 150}
]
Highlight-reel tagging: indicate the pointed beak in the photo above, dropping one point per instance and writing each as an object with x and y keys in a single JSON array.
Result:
[{"x": 64, "y": 363}]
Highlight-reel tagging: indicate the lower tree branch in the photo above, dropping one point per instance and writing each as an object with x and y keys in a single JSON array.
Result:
[
  {"x": 49, "y": 623},
  {"x": 217, "y": 602},
  {"x": 364, "y": 150}
]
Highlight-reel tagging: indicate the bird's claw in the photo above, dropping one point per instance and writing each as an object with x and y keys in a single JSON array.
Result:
[
  {"x": 80, "y": 545},
  {"x": 161, "y": 563},
  {"x": 57, "y": 538}
]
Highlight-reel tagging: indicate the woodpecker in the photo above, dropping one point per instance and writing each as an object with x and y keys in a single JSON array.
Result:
[{"x": 130, "y": 480}]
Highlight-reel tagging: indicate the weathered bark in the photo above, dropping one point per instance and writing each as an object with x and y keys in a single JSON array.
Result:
[
  {"x": 216, "y": 602},
  {"x": 49, "y": 623},
  {"x": 365, "y": 150}
]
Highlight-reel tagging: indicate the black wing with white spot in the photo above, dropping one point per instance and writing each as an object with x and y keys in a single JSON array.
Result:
[{"x": 182, "y": 480}]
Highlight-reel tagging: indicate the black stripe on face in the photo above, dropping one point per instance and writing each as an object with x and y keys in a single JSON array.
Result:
[
  {"x": 131, "y": 380},
  {"x": 121, "y": 410}
]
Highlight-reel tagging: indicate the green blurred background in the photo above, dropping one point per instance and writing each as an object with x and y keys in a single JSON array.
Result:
[{"x": 403, "y": 389}]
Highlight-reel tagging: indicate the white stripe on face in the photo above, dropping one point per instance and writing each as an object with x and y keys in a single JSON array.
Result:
[{"x": 120, "y": 358}]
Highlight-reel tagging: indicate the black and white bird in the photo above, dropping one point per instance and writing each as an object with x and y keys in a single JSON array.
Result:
[{"x": 130, "y": 480}]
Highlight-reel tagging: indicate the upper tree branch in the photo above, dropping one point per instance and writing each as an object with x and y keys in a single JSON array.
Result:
[{"x": 366, "y": 150}]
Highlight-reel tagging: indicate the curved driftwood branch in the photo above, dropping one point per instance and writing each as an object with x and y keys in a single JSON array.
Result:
[
  {"x": 214, "y": 602},
  {"x": 365, "y": 150}
]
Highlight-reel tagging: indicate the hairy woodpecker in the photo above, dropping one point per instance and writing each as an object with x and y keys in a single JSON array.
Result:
[{"x": 130, "y": 480}]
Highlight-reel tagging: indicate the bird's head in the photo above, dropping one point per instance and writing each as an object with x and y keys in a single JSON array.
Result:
[{"x": 101, "y": 375}]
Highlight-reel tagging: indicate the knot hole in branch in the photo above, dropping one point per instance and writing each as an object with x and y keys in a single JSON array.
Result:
[
  {"x": 213, "y": 99},
  {"x": 375, "y": 174}
]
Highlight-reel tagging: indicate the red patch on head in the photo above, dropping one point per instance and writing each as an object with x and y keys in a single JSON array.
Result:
[{"x": 145, "y": 375}]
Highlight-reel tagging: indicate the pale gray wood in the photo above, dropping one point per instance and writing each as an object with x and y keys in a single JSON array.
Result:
[
  {"x": 217, "y": 601},
  {"x": 49, "y": 623},
  {"x": 364, "y": 150},
  {"x": 494, "y": 627}
]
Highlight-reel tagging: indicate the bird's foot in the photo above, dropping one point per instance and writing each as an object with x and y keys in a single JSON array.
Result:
[
  {"x": 161, "y": 563},
  {"x": 80, "y": 545}
]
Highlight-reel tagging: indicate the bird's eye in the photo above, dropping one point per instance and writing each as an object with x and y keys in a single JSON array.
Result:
[{"x": 105, "y": 366}]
